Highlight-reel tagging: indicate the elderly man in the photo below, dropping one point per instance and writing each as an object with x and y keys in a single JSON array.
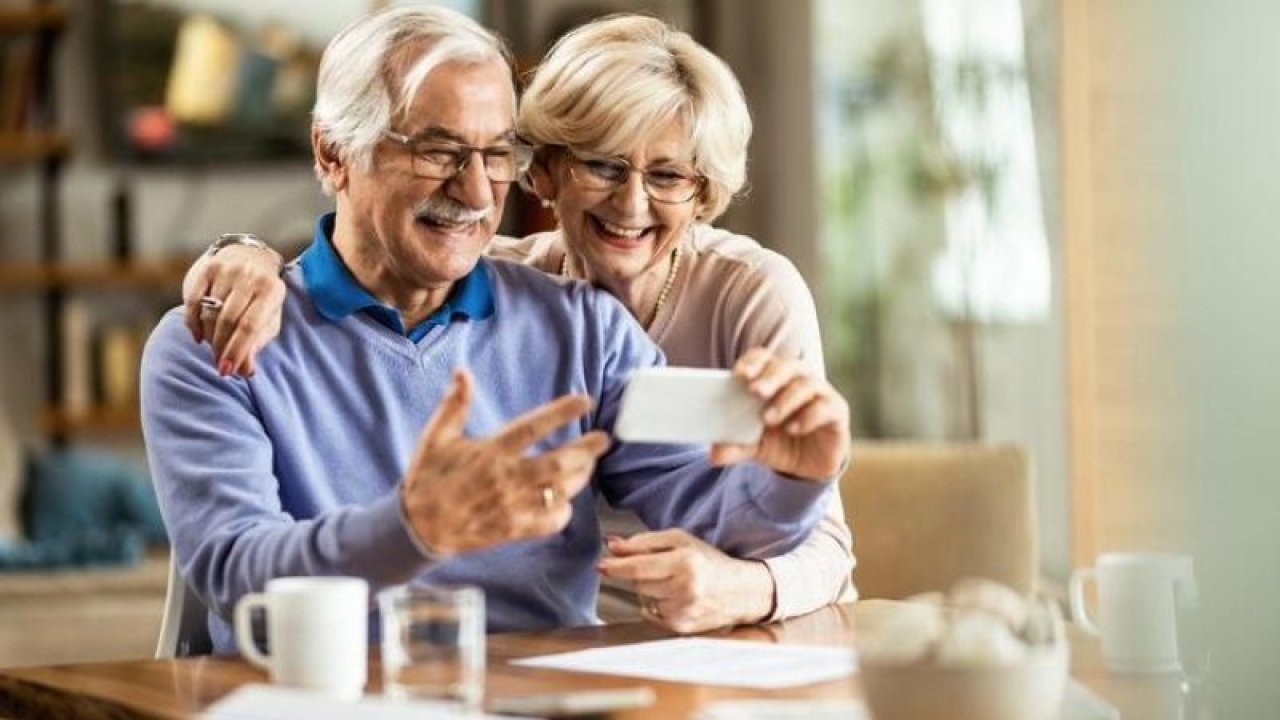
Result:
[{"x": 362, "y": 447}]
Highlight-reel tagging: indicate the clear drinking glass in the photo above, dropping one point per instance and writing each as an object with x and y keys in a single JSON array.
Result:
[
  {"x": 433, "y": 643},
  {"x": 1197, "y": 669}
]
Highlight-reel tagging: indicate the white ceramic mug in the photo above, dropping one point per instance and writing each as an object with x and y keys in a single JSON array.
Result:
[
  {"x": 317, "y": 633},
  {"x": 1139, "y": 596}
]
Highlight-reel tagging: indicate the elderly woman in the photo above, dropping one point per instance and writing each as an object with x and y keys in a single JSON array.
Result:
[{"x": 641, "y": 137}]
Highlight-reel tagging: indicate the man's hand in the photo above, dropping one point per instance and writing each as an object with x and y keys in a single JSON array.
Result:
[
  {"x": 463, "y": 494},
  {"x": 688, "y": 586},
  {"x": 247, "y": 282},
  {"x": 806, "y": 422}
]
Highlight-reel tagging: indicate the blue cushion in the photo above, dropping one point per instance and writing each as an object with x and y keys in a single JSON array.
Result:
[
  {"x": 77, "y": 492},
  {"x": 83, "y": 548}
]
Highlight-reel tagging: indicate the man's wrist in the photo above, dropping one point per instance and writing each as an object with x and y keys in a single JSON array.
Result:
[{"x": 424, "y": 548}]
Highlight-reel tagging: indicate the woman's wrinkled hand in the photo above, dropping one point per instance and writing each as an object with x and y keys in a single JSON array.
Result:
[
  {"x": 687, "y": 586},
  {"x": 246, "y": 280},
  {"x": 806, "y": 422}
]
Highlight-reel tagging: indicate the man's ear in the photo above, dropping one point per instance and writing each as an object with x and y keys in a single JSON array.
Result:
[{"x": 328, "y": 160}]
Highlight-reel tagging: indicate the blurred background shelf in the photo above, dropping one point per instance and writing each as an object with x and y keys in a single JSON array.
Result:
[
  {"x": 62, "y": 422},
  {"x": 19, "y": 147},
  {"x": 39, "y": 17},
  {"x": 163, "y": 276}
]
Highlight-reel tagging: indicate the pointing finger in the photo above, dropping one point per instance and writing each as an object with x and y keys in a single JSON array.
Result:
[
  {"x": 540, "y": 422},
  {"x": 566, "y": 469},
  {"x": 450, "y": 417},
  {"x": 573, "y": 456}
]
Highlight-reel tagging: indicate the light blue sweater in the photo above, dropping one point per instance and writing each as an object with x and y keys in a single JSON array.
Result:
[{"x": 294, "y": 471}]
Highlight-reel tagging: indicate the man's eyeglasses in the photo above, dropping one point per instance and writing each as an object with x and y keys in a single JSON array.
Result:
[
  {"x": 664, "y": 184},
  {"x": 444, "y": 160}
]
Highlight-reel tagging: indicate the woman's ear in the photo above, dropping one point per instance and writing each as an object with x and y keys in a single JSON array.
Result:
[
  {"x": 702, "y": 206},
  {"x": 542, "y": 177},
  {"x": 329, "y": 164},
  {"x": 699, "y": 209}
]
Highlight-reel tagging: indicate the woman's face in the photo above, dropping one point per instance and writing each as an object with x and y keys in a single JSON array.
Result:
[{"x": 617, "y": 232}]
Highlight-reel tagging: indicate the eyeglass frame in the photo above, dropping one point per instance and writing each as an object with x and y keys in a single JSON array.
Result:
[
  {"x": 578, "y": 157},
  {"x": 462, "y": 155}
]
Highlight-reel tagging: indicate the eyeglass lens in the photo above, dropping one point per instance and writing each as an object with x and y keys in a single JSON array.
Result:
[
  {"x": 443, "y": 163},
  {"x": 662, "y": 184}
]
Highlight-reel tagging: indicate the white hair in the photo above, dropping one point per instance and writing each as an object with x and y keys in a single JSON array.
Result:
[
  {"x": 354, "y": 100},
  {"x": 604, "y": 86}
]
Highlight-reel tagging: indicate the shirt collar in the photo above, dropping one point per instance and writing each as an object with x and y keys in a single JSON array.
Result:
[{"x": 336, "y": 293}]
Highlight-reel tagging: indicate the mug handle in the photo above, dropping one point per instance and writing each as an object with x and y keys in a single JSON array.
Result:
[
  {"x": 244, "y": 628},
  {"x": 1079, "y": 611}
]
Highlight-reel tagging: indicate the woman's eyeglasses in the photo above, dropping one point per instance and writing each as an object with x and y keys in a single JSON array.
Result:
[{"x": 664, "y": 184}]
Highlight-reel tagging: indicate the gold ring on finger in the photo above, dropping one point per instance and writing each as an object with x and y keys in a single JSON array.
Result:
[{"x": 211, "y": 303}]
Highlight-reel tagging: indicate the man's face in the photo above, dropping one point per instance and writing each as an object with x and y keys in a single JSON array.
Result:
[{"x": 425, "y": 231}]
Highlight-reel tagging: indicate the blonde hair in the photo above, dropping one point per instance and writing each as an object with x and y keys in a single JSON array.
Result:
[
  {"x": 354, "y": 102},
  {"x": 606, "y": 85}
]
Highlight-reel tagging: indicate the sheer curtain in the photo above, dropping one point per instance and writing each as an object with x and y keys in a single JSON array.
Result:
[{"x": 995, "y": 265}]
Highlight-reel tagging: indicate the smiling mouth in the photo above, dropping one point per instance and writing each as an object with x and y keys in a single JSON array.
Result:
[
  {"x": 443, "y": 225},
  {"x": 619, "y": 235}
]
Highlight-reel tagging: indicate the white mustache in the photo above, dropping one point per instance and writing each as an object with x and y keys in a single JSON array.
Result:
[{"x": 447, "y": 210}]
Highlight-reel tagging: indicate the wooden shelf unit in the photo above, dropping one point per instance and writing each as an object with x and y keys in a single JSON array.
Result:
[
  {"x": 21, "y": 147},
  {"x": 60, "y": 285},
  {"x": 32, "y": 19},
  {"x": 32, "y": 136},
  {"x": 155, "y": 276},
  {"x": 60, "y": 422}
]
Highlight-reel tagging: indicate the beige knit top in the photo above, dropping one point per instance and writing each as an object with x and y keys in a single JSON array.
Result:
[{"x": 732, "y": 295}]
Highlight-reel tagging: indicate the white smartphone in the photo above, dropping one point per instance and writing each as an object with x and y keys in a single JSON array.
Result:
[{"x": 688, "y": 405}]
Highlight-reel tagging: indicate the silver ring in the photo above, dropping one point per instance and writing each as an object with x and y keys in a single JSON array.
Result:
[
  {"x": 211, "y": 303},
  {"x": 548, "y": 497}
]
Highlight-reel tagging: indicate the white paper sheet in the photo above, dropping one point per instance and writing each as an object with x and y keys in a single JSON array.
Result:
[
  {"x": 267, "y": 702},
  {"x": 703, "y": 661}
]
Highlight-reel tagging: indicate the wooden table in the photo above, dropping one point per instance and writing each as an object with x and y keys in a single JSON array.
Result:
[{"x": 182, "y": 688}]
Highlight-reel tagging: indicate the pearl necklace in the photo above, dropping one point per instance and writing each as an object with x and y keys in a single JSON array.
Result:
[{"x": 666, "y": 284}]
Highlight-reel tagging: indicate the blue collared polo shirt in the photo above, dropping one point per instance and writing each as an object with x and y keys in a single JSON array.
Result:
[{"x": 336, "y": 293}]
